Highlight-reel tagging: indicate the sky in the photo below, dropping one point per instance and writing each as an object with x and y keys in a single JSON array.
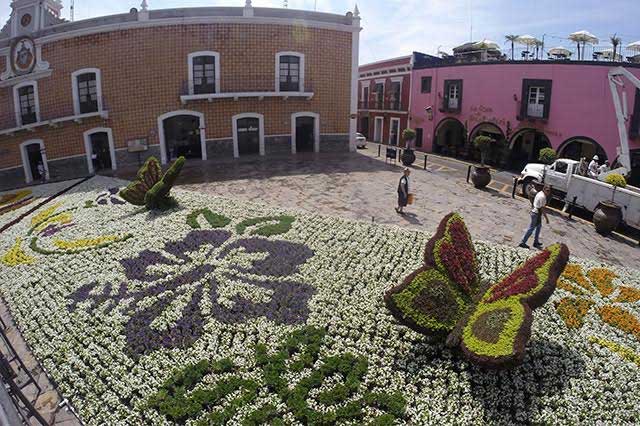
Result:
[{"x": 394, "y": 28}]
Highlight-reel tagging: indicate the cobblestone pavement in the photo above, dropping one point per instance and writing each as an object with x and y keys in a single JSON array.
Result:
[
  {"x": 46, "y": 400},
  {"x": 361, "y": 186}
]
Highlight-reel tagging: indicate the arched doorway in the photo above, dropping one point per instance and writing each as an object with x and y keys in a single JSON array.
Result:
[
  {"x": 499, "y": 151},
  {"x": 100, "y": 150},
  {"x": 182, "y": 133},
  {"x": 248, "y": 134},
  {"x": 34, "y": 160},
  {"x": 525, "y": 148},
  {"x": 305, "y": 132},
  {"x": 578, "y": 147},
  {"x": 450, "y": 137}
]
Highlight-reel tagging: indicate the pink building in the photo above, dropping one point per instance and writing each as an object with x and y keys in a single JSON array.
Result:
[{"x": 525, "y": 105}]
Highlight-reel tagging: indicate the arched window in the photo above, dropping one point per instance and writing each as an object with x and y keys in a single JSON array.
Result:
[
  {"x": 204, "y": 72},
  {"x": 87, "y": 91},
  {"x": 289, "y": 72}
]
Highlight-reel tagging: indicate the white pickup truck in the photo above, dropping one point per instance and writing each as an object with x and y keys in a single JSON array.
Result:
[{"x": 582, "y": 191}]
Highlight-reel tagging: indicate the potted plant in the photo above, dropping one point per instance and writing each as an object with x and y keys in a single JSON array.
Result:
[
  {"x": 481, "y": 176},
  {"x": 547, "y": 156},
  {"x": 608, "y": 214},
  {"x": 408, "y": 156}
]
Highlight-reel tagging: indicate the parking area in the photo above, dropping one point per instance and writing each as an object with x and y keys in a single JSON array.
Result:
[{"x": 362, "y": 186}]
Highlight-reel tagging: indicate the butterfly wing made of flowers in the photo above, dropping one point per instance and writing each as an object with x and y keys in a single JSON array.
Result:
[
  {"x": 496, "y": 329},
  {"x": 148, "y": 176},
  {"x": 434, "y": 298}
]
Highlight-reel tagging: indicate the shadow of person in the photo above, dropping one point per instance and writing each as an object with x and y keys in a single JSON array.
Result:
[{"x": 411, "y": 218}]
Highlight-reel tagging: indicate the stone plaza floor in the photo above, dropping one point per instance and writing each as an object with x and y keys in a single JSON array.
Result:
[{"x": 362, "y": 186}]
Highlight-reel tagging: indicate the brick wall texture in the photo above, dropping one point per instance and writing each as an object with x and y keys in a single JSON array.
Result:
[{"x": 144, "y": 72}]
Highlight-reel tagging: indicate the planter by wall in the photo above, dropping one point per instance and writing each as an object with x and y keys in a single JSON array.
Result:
[
  {"x": 408, "y": 157},
  {"x": 607, "y": 217},
  {"x": 480, "y": 176}
]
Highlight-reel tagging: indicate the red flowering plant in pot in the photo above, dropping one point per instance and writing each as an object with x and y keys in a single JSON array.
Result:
[{"x": 490, "y": 323}]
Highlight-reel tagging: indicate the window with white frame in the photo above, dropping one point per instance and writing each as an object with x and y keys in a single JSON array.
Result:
[
  {"x": 204, "y": 73},
  {"x": 453, "y": 96},
  {"x": 87, "y": 91},
  {"x": 26, "y": 106},
  {"x": 27, "y": 99},
  {"x": 290, "y": 72},
  {"x": 535, "y": 103}
]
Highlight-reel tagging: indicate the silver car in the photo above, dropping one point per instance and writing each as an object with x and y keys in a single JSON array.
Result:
[{"x": 361, "y": 141}]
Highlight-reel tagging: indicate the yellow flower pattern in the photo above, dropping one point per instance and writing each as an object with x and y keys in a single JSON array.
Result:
[{"x": 584, "y": 288}]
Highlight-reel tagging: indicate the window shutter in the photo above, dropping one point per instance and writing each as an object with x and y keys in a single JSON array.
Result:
[
  {"x": 459, "y": 82},
  {"x": 445, "y": 96},
  {"x": 547, "y": 99},
  {"x": 524, "y": 99},
  {"x": 634, "y": 127}
]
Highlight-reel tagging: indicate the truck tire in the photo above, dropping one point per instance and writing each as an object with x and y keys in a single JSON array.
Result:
[{"x": 528, "y": 187}]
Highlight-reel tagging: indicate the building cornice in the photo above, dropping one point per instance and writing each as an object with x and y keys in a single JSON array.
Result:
[
  {"x": 151, "y": 23},
  {"x": 534, "y": 62}
]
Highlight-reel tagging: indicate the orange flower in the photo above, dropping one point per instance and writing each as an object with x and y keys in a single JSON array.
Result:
[{"x": 573, "y": 310}]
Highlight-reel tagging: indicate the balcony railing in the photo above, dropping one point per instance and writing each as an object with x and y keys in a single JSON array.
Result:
[
  {"x": 382, "y": 106},
  {"x": 63, "y": 114},
  {"x": 535, "y": 110},
  {"x": 235, "y": 88}
]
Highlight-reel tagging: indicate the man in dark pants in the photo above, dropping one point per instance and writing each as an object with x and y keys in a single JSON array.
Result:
[{"x": 538, "y": 210}]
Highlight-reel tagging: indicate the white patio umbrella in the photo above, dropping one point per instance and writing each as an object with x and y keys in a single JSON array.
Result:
[
  {"x": 583, "y": 37},
  {"x": 528, "y": 40},
  {"x": 635, "y": 46},
  {"x": 560, "y": 52}
]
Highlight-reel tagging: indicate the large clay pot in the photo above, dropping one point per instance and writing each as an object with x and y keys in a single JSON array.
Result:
[
  {"x": 480, "y": 176},
  {"x": 607, "y": 217},
  {"x": 408, "y": 157}
]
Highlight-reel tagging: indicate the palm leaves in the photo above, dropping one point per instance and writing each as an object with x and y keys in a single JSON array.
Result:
[{"x": 512, "y": 38}]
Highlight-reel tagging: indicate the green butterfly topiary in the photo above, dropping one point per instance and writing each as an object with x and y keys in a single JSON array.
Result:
[
  {"x": 489, "y": 322},
  {"x": 151, "y": 189}
]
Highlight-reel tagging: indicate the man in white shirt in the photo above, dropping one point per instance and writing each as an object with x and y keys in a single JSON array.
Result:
[
  {"x": 538, "y": 210},
  {"x": 593, "y": 167}
]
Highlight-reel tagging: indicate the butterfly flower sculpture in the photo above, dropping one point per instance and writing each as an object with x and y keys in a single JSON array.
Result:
[
  {"x": 152, "y": 188},
  {"x": 489, "y": 322}
]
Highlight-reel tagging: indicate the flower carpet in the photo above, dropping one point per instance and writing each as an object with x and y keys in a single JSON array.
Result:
[{"x": 226, "y": 312}]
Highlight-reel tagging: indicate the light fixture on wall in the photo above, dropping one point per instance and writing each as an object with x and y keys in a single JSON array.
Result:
[{"x": 429, "y": 111}]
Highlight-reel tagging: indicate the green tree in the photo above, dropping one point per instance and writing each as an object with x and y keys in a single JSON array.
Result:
[
  {"x": 512, "y": 38},
  {"x": 615, "y": 41}
]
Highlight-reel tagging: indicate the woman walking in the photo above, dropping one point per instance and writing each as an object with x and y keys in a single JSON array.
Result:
[{"x": 403, "y": 191}]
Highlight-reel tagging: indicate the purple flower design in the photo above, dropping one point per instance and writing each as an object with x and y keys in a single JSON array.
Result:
[
  {"x": 109, "y": 197},
  {"x": 54, "y": 228},
  {"x": 265, "y": 266}
]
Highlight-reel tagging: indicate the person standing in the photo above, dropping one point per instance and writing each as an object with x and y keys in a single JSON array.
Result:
[
  {"x": 42, "y": 172},
  {"x": 403, "y": 190},
  {"x": 538, "y": 210},
  {"x": 593, "y": 167}
]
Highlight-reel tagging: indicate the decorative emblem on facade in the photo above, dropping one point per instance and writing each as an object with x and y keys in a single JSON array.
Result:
[
  {"x": 25, "y": 20},
  {"x": 23, "y": 55}
]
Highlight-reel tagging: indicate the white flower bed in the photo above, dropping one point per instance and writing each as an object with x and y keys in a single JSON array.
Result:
[{"x": 85, "y": 313}]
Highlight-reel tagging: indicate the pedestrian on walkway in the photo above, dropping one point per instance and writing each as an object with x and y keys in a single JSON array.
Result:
[
  {"x": 593, "y": 167},
  {"x": 539, "y": 209},
  {"x": 403, "y": 190}
]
